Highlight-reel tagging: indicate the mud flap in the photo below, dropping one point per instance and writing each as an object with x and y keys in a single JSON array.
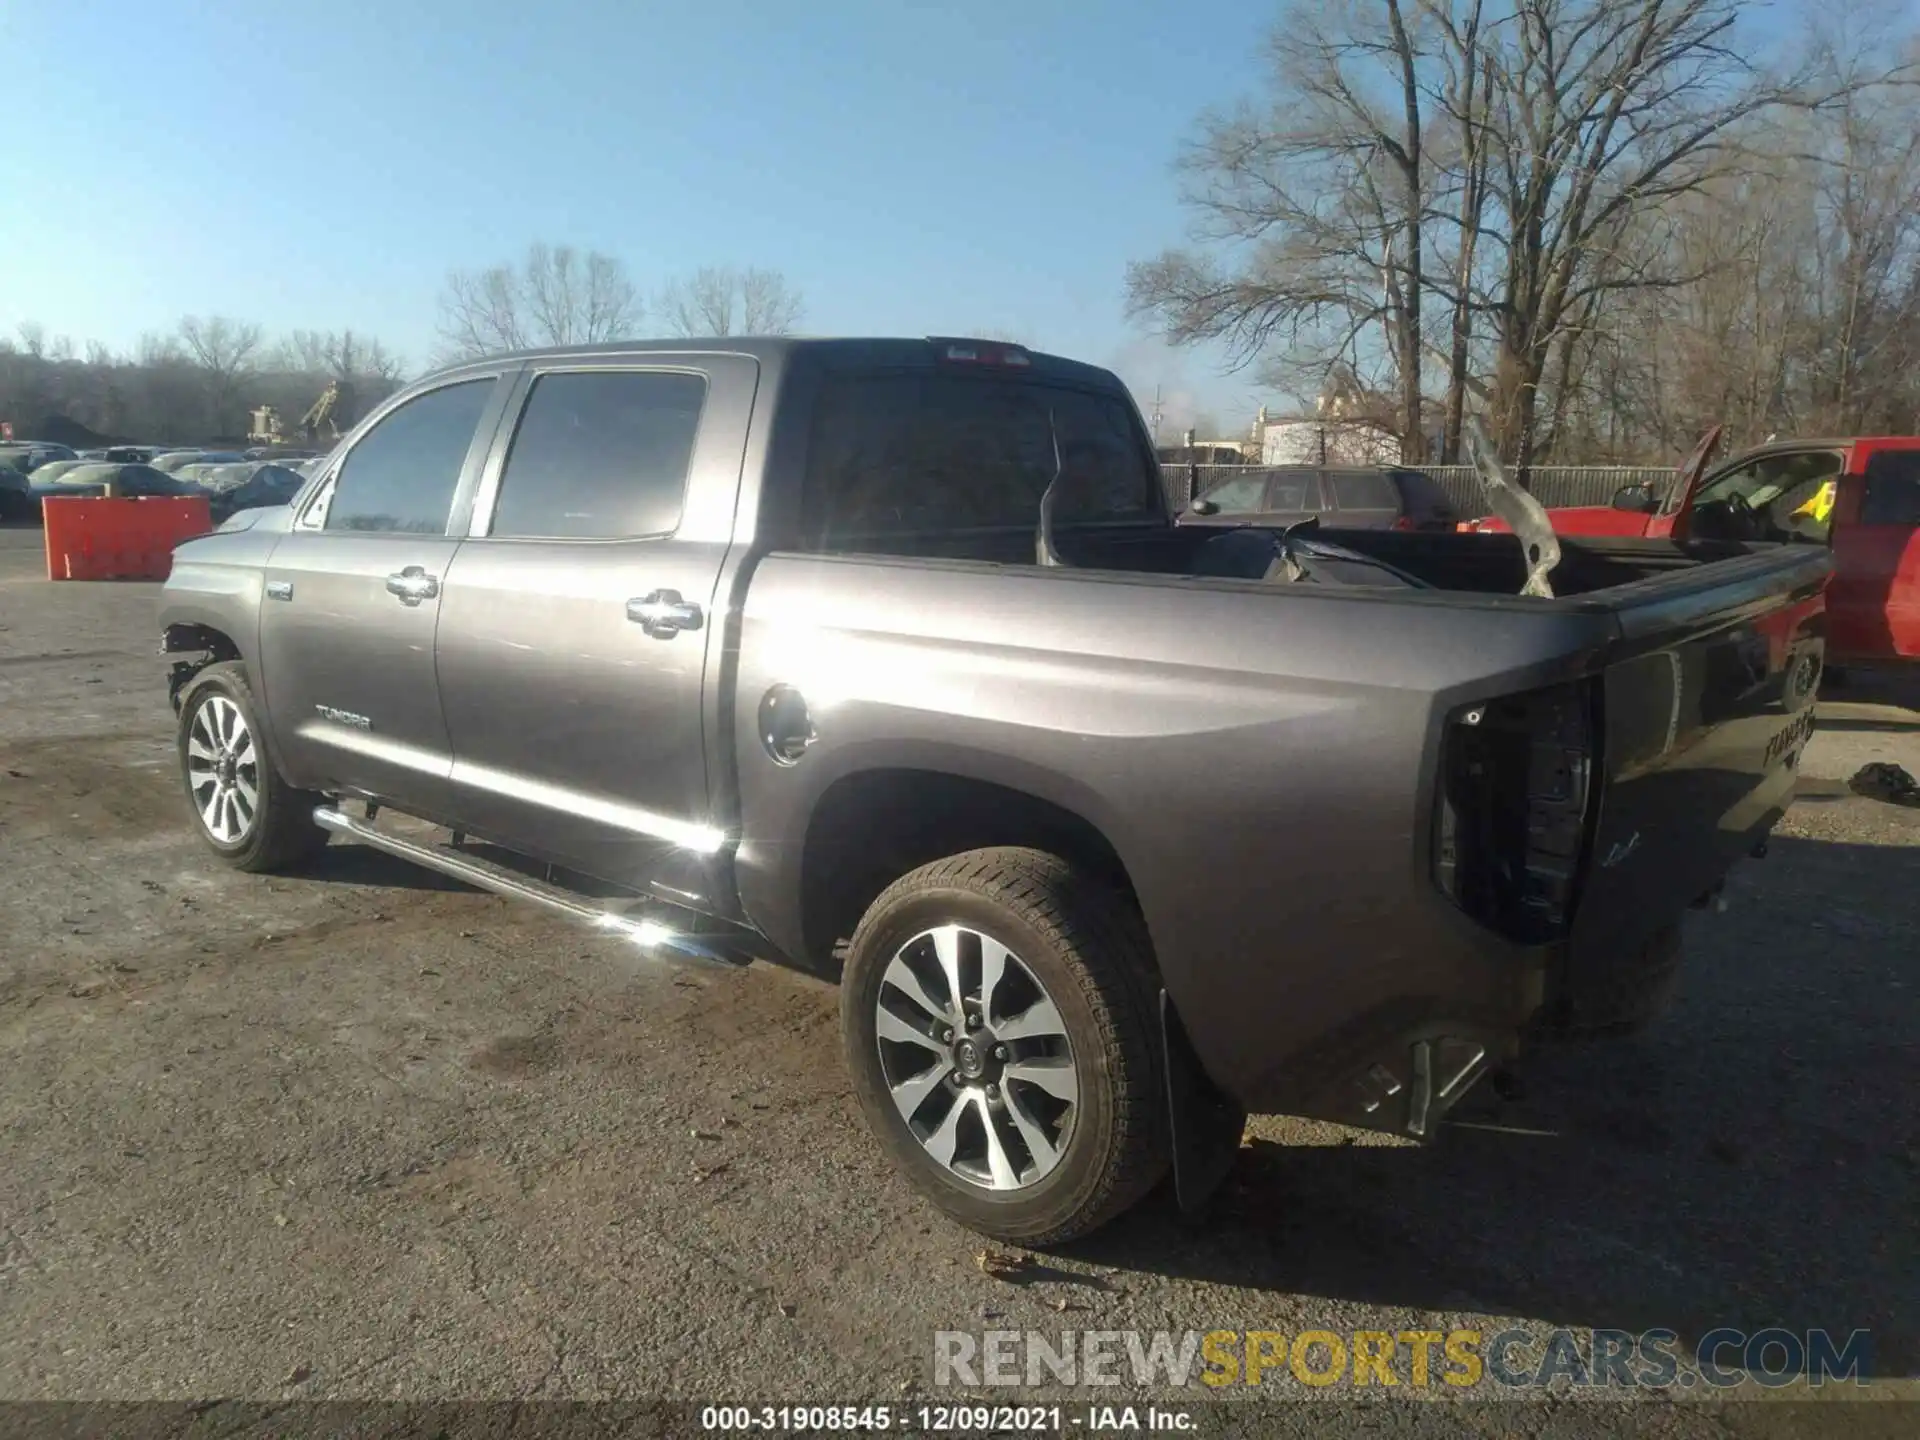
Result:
[{"x": 1206, "y": 1124}]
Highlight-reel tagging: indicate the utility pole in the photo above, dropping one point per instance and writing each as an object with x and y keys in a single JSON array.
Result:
[{"x": 1156, "y": 415}]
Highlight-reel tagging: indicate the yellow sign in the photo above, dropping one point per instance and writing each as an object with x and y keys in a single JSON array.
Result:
[{"x": 1821, "y": 505}]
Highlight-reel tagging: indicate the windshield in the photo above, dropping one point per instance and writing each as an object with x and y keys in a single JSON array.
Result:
[{"x": 937, "y": 452}]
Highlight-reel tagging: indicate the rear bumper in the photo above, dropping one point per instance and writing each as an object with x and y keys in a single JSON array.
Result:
[{"x": 1401, "y": 1066}]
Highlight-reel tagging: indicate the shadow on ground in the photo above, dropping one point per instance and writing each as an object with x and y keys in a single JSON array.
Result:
[
  {"x": 350, "y": 862},
  {"x": 1848, "y": 724},
  {"x": 346, "y": 864},
  {"x": 1897, "y": 684},
  {"x": 1751, "y": 1160}
]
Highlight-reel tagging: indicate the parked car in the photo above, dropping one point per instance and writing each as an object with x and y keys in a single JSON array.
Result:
[
  {"x": 1346, "y": 497},
  {"x": 54, "y": 469},
  {"x": 20, "y": 493},
  {"x": 201, "y": 473},
  {"x": 885, "y": 659},
  {"x": 16, "y": 494},
  {"x": 1859, "y": 497},
  {"x": 28, "y": 456},
  {"x": 1200, "y": 455},
  {"x": 263, "y": 485},
  {"x": 174, "y": 461},
  {"x": 128, "y": 481}
]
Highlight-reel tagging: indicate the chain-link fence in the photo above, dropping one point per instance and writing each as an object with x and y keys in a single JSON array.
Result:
[{"x": 1551, "y": 484}]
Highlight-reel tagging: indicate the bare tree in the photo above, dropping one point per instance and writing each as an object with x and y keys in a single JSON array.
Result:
[
  {"x": 338, "y": 354},
  {"x": 1521, "y": 167},
  {"x": 1311, "y": 210},
  {"x": 224, "y": 351},
  {"x": 1466, "y": 80},
  {"x": 186, "y": 386},
  {"x": 556, "y": 296},
  {"x": 718, "y": 300}
]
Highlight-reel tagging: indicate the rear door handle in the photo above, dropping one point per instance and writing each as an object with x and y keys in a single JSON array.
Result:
[
  {"x": 413, "y": 585},
  {"x": 664, "y": 614}
]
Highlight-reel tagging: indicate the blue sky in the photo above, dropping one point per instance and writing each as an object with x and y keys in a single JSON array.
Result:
[{"x": 913, "y": 168}]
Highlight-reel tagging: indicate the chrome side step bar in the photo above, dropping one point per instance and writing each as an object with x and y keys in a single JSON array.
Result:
[{"x": 648, "y": 934}]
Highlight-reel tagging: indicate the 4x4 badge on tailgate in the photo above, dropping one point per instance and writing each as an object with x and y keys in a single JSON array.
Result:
[{"x": 1621, "y": 850}]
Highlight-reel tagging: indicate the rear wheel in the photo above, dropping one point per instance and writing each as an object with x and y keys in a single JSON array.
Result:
[
  {"x": 997, "y": 1011},
  {"x": 252, "y": 818}
]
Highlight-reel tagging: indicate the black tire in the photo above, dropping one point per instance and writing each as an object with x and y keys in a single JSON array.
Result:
[
  {"x": 282, "y": 832},
  {"x": 1087, "y": 946}
]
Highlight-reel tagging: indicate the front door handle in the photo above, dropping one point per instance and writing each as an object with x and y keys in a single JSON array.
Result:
[
  {"x": 413, "y": 585},
  {"x": 663, "y": 614}
]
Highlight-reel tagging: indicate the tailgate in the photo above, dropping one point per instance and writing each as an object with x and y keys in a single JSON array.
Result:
[{"x": 1705, "y": 703}]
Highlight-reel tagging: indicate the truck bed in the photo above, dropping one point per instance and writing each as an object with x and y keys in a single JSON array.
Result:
[{"x": 1460, "y": 563}]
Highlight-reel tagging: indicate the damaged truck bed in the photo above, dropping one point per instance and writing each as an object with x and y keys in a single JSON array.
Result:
[{"x": 1110, "y": 833}]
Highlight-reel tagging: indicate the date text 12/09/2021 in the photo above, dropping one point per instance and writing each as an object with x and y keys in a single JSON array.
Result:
[{"x": 945, "y": 1419}]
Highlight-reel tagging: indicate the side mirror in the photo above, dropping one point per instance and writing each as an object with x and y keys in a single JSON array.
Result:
[
  {"x": 1636, "y": 498},
  {"x": 1204, "y": 507}
]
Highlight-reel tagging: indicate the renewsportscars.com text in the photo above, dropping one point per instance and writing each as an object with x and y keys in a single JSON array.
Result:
[{"x": 1516, "y": 1358}]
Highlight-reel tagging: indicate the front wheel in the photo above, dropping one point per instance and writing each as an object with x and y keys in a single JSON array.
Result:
[
  {"x": 251, "y": 817},
  {"x": 997, "y": 1009}
]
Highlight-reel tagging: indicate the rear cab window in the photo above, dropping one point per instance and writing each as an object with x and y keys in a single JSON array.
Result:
[
  {"x": 1893, "y": 488},
  {"x": 932, "y": 452}
]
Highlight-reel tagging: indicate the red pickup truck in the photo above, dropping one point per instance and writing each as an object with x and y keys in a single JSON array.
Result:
[{"x": 1859, "y": 496}]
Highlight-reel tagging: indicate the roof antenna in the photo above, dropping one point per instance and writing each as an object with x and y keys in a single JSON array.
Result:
[{"x": 1044, "y": 555}]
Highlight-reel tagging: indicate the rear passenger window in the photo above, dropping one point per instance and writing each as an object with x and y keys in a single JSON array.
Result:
[
  {"x": 401, "y": 475},
  {"x": 600, "y": 455},
  {"x": 1239, "y": 495},
  {"x": 1297, "y": 491},
  {"x": 1364, "y": 492},
  {"x": 1893, "y": 489}
]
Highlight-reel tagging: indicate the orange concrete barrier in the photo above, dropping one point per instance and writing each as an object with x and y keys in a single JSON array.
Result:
[{"x": 89, "y": 539}]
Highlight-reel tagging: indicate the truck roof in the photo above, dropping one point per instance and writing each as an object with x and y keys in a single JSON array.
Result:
[
  {"x": 834, "y": 352},
  {"x": 1817, "y": 442}
]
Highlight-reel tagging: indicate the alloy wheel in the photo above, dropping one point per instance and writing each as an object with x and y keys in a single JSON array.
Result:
[
  {"x": 223, "y": 770},
  {"x": 976, "y": 1058}
]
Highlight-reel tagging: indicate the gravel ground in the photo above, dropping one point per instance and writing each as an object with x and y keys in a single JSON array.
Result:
[{"x": 368, "y": 1134}]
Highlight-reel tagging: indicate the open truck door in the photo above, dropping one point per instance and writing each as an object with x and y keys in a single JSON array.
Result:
[{"x": 1676, "y": 512}]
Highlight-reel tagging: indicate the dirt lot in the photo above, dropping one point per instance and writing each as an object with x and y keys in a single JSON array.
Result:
[{"x": 368, "y": 1134}]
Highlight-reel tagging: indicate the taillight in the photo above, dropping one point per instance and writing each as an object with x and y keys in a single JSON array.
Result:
[
  {"x": 1403, "y": 522},
  {"x": 1516, "y": 779}
]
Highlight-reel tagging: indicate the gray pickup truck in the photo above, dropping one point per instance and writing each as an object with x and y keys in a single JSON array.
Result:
[{"x": 885, "y": 659}]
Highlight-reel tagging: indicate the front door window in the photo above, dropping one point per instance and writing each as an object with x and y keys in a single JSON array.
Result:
[{"x": 1776, "y": 498}]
